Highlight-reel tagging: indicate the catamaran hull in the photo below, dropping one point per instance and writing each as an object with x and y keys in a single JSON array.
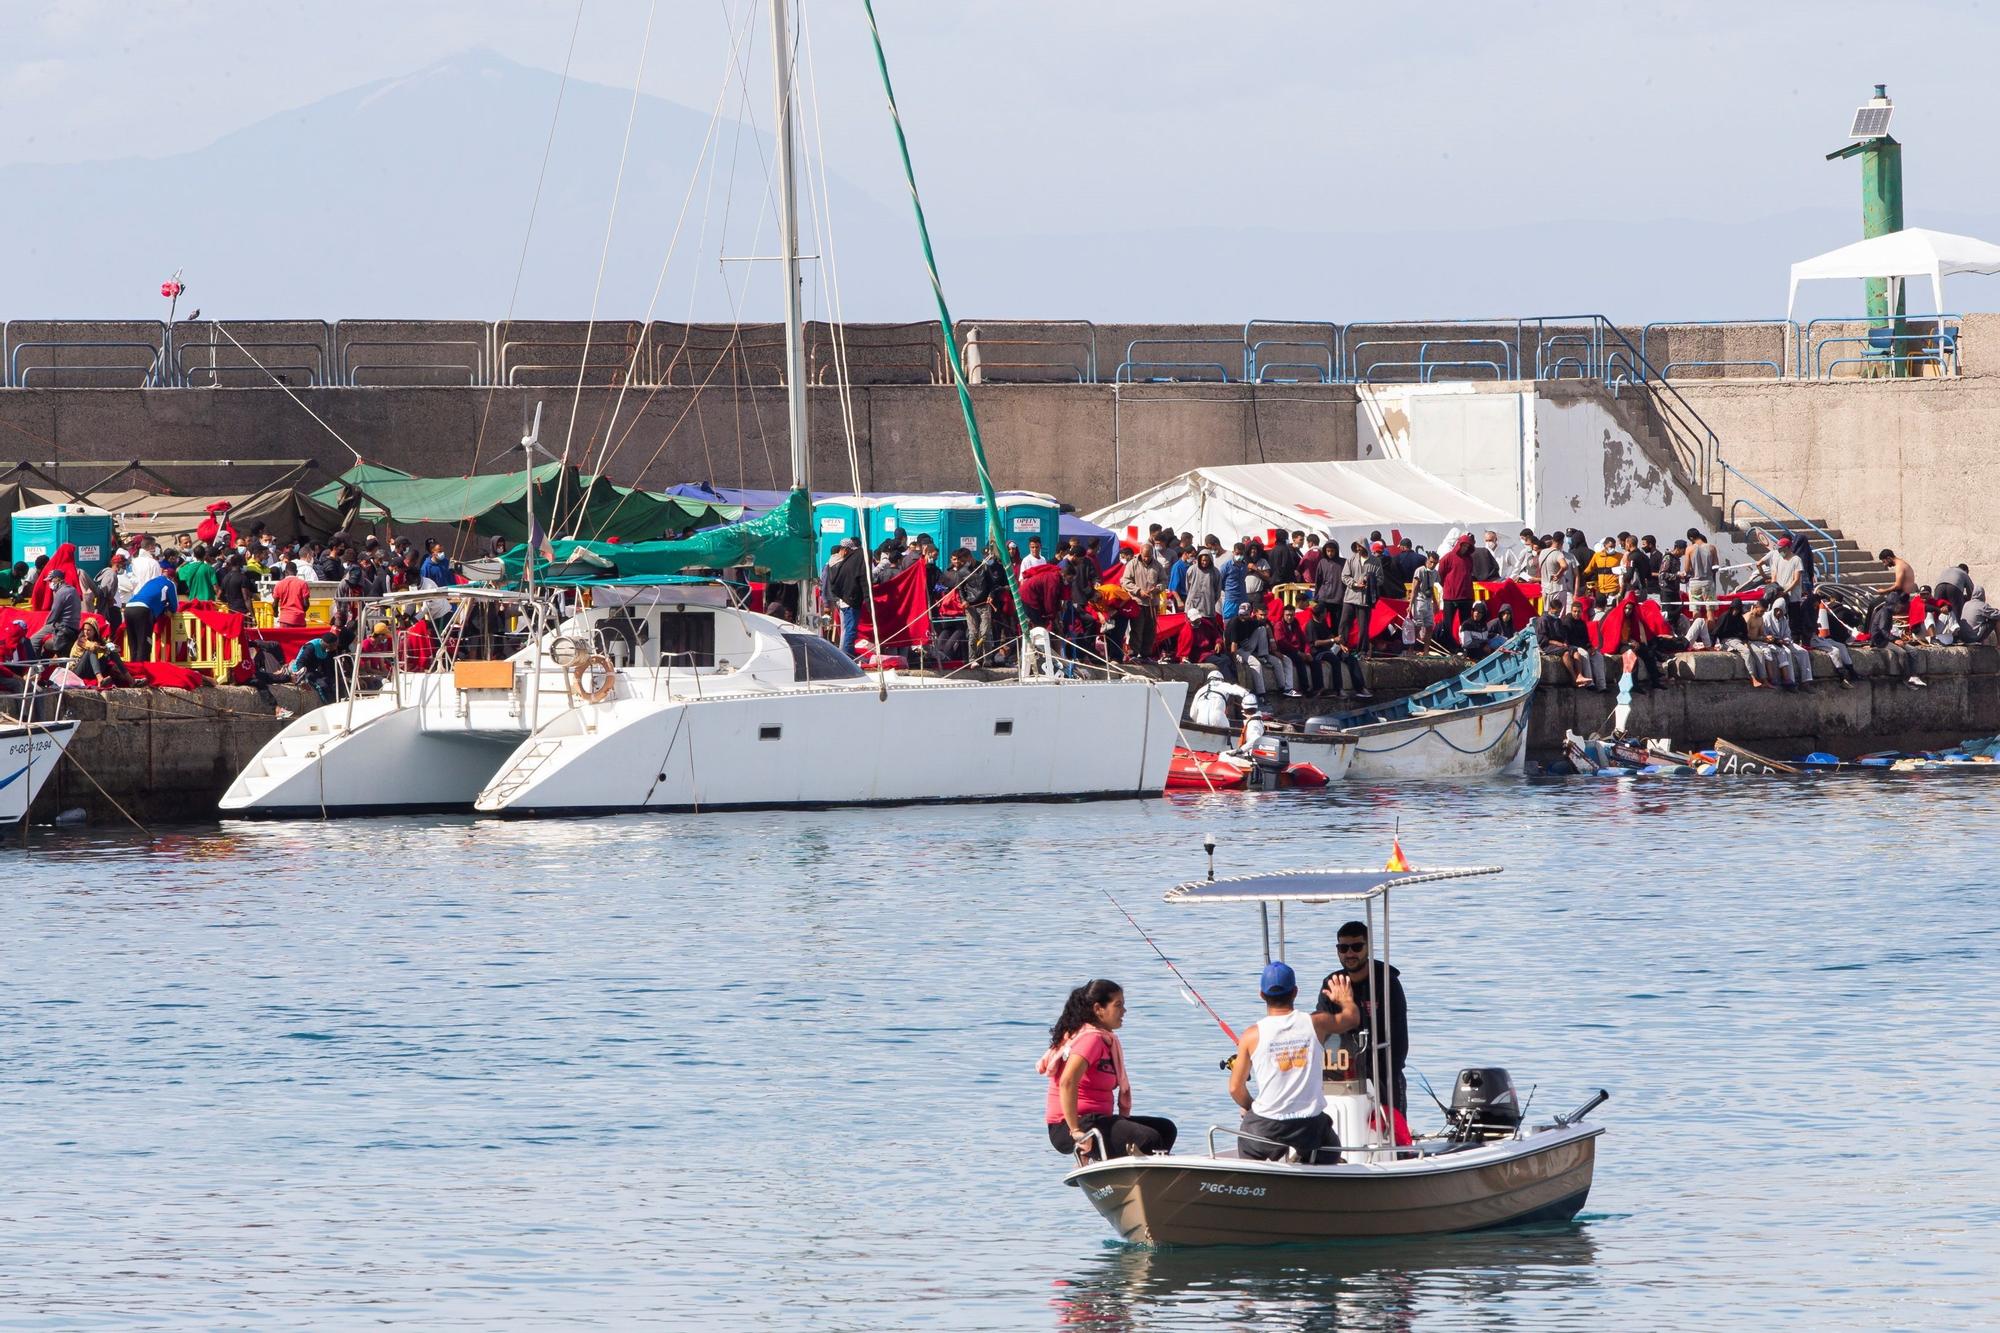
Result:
[
  {"x": 1229, "y": 1201},
  {"x": 29, "y": 753},
  {"x": 383, "y": 762},
  {"x": 923, "y": 742}
]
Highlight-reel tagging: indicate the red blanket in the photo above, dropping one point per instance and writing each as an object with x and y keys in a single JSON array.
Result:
[
  {"x": 166, "y": 675},
  {"x": 902, "y": 609}
]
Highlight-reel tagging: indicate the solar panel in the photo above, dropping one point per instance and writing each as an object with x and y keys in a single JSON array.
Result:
[{"x": 1870, "y": 122}]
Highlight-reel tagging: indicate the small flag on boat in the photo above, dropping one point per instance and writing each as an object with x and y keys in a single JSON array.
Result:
[{"x": 1397, "y": 861}]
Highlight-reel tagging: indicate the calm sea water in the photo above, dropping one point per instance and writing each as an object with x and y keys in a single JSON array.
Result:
[{"x": 777, "y": 1070}]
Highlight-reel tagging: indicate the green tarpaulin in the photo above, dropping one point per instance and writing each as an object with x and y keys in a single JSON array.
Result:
[
  {"x": 496, "y": 503},
  {"x": 778, "y": 543}
]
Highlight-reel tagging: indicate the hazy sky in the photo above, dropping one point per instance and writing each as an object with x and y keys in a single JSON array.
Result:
[
  {"x": 1037, "y": 117},
  {"x": 1214, "y": 113}
]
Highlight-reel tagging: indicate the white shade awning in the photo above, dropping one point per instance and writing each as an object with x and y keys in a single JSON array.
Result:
[{"x": 1914, "y": 252}]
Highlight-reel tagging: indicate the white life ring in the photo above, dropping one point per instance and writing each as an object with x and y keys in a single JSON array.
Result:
[{"x": 607, "y": 677}]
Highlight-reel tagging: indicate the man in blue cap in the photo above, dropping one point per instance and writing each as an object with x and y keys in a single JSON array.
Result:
[{"x": 1287, "y": 1119}]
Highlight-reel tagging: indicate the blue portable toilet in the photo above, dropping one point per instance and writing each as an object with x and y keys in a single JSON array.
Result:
[
  {"x": 1030, "y": 514},
  {"x": 39, "y": 530},
  {"x": 834, "y": 521},
  {"x": 951, "y": 519}
]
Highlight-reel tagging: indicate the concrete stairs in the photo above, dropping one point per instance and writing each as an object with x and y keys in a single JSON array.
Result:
[
  {"x": 1652, "y": 428},
  {"x": 1858, "y": 565}
]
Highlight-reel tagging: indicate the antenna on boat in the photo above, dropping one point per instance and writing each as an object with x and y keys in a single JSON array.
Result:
[
  {"x": 530, "y": 443},
  {"x": 1208, "y": 845}
]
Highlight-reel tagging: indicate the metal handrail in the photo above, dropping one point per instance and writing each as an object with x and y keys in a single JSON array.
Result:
[
  {"x": 1124, "y": 375},
  {"x": 346, "y": 368},
  {"x": 1507, "y": 363},
  {"x": 1831, "y": 547},
  {"x": 1946, "y": 352},
  {"x": 316, "y": 372},
  {"x": 151, "y": 370},
  {"x": 1087, "y": 341},
  {"x": 1334, "y": 345},
  {"x": 1131, "y": 360},
  {"x": 1667, "y": 371},
  {"x": 1790, "y": 330},
  {"x": 1876, "y": 324}
]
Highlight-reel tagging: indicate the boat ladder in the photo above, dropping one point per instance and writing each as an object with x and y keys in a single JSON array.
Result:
[{"x": 524, "y": 768}]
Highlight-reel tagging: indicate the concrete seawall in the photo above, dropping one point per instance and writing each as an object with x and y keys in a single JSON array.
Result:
[{"x": 167, "y": 756}]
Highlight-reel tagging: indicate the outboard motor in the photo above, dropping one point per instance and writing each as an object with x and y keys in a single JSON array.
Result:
[
  {"x": 1271, "y": 757},
  {"x": 1484, "y": 1105}
]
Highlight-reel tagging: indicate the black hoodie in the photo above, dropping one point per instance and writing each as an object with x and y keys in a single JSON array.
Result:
[{"x": 1356, "y": 1042}]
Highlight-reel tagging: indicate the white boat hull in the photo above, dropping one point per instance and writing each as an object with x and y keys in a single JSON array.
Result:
[
  {"x": 1462, "y": 743},
  {"x": 29, "y": 753},
  {"x": 378, "y": 759},
  {"x": 847, "y": 744},
  {"x": 1227, "y": 1200}
]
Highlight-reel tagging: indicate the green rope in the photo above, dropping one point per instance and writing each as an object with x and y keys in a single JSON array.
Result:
[{"x": 994, "y": 530}]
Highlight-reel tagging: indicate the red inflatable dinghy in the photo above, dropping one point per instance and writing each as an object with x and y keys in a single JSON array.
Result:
[{"x": 1191, "y": 770}]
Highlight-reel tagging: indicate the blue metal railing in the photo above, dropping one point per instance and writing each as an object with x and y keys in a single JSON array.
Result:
[
  {"x": 1126, "y": 372},
  {"x": 1326, "y": 357},
  {"x": 150, "y": 371},
  {"x": 1829, "y": 549},
  {"x": 1265, "y": 350},
  {"x": 1786, "y": 330},
  {"x": 1432, "y": 355},
  {"x": 1936, "y": 344}
]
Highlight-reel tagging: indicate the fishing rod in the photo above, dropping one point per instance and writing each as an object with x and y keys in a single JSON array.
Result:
[{"x": 1185, "y": 983}]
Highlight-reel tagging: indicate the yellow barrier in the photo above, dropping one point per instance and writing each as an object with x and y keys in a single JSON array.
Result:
[{"x": 208, "y": 651}]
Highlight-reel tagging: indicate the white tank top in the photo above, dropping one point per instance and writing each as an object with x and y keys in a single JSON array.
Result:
[{"x": 1286, "y": 1065}]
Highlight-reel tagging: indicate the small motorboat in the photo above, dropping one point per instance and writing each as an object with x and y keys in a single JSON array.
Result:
[
  {"x": 1197, "y": 770},
  {"x": 1488, "y": 1167},
  {"x": 1471, "y": 725}
]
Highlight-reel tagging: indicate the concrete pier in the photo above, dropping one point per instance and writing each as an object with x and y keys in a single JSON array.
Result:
[{"x": 167, "y": 756}]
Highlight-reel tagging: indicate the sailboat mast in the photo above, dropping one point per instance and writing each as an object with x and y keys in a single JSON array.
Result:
[{"x": 788, "y": 237}]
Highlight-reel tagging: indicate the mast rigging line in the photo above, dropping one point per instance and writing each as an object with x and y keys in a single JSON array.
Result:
[
  {"x": 829, "y": 274},
  {"x": 603, "y": 258},
  {"x": 736, "y": 296},
  {"x": 709, "y": 138},
  {"x": 997, "y": 534},
  {"x": 521, "y": 264}
]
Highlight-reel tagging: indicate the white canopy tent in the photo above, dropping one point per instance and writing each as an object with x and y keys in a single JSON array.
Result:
[
  {"x": 1344, "y": 500},
  {"x": 1913, "y": 252}
]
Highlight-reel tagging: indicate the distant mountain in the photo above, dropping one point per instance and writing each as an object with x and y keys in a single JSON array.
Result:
[
  {"x": 408, "y": 198},
  {"x": 405, "y": 198}
]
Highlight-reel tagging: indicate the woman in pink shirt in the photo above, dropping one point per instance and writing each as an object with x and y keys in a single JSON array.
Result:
[{"x": 1088, "y": 1086}]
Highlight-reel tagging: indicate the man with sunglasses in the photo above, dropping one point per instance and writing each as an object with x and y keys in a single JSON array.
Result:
[{"x": 1364, "y": 977}]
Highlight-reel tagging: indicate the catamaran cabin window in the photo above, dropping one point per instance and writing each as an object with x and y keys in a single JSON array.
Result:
[
  {"x": 687, "y": 638},
  {"x": 813, "y": 658}
]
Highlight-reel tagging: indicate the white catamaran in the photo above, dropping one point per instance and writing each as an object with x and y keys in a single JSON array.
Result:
[{"x": 660, "y": 694}]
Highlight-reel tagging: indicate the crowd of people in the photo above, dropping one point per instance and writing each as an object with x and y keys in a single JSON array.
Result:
[
  {"x": 94, "y": 628},
  {"x": 1296, "y": 1059},
  {"x": 1295, "y": 613}
]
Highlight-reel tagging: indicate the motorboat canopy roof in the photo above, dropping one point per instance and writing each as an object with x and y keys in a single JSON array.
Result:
[{"x": 1314, "y": 886}]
